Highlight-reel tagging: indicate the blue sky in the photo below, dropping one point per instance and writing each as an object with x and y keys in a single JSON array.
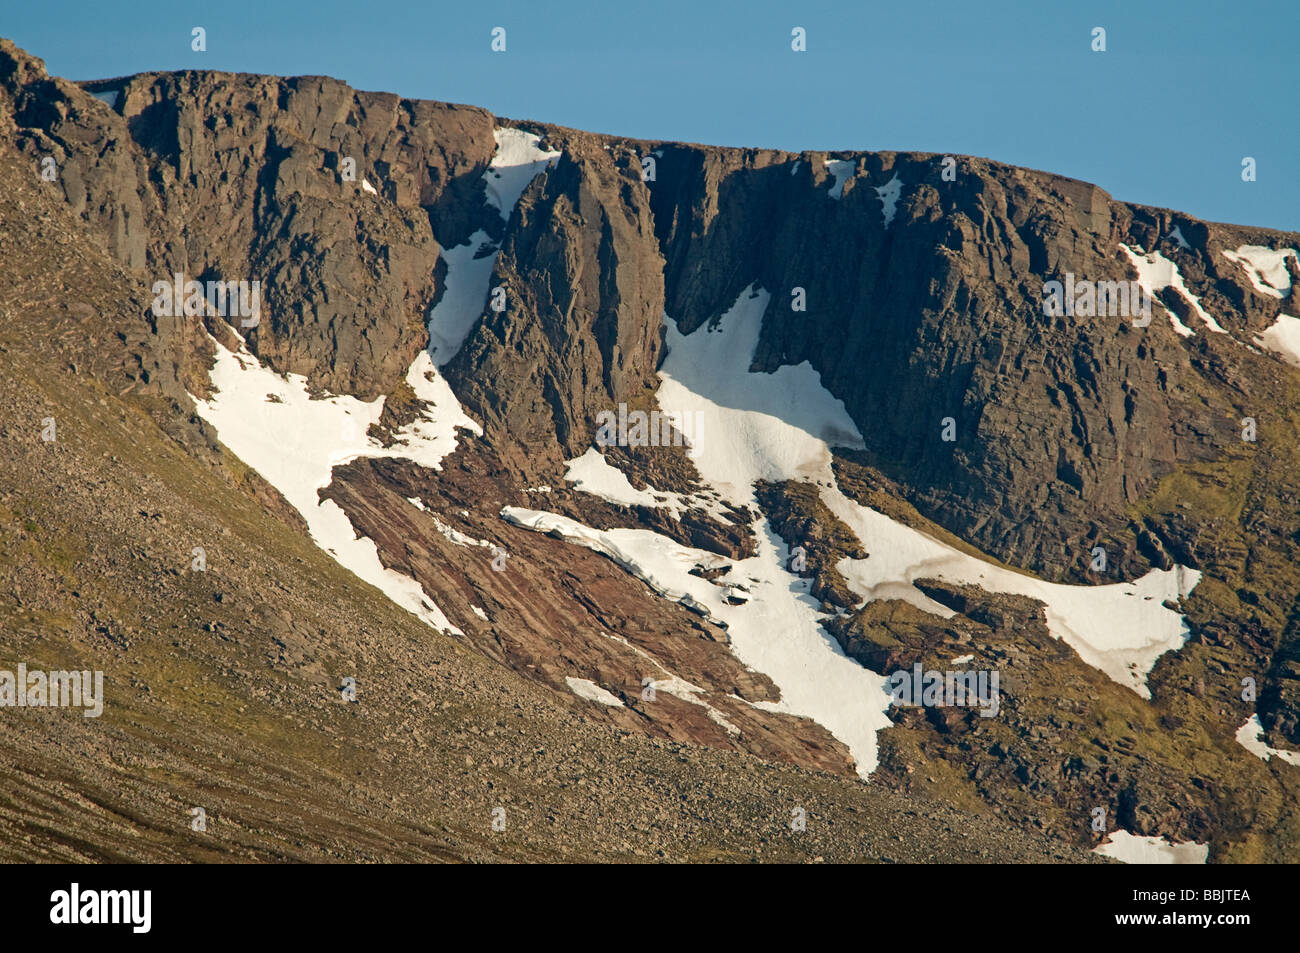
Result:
[{"x": 1185, "y": 90}]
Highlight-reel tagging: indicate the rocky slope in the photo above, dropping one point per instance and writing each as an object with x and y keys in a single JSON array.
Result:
[{"x": 923, "y": 304}]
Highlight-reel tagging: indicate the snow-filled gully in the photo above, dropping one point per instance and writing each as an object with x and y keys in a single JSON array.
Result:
[
  {"x": 272, "y": 423},
  {"x": 780, "y": 426}
]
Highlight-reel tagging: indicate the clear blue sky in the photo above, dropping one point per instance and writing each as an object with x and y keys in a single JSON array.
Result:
[{"x": 1164, "y": 117}]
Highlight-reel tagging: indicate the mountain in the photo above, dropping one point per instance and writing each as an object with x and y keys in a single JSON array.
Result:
[{"x": 637, "y": 468}]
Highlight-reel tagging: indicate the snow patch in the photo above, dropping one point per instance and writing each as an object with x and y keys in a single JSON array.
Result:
[
  {"x": 1120, "y": 628},
  {"x": 1251, "y": 737},
  {"x": 1176, "y": 234},
  {"x": 776, "y": 632},
  {"x": 1133, "y": 849},
  {"x": 295, "y": 442},
  {"x": 469, "y": 266},
  {"x": 465, "y": 291},
  {"x": 1283, "y": 338},
  {"x": 585, "y": 688},
  {"x": 272, "y": 424},
  {"x": 775, "y": 426},
  {"x": 367, "y": 187},
  {"x": 456, "y": 536},
  {"x": 679, "y": 687},
  {"x": 593, "y": 473},
  {"x": 432, "y": 435},
  {"x": 1155, "y": 273},
  {"x": 889, "y": 193},
  {"x": 842, "y": 171},
  {"x": 1265, "y": 268},
  {"x": 517, "y": 162},
  {"x": 478, "y": 611}
]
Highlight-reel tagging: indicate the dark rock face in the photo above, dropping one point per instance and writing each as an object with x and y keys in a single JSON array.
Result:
[
  {"x": 581, "y": 329},
  {"x": 1059, "y": 421},
  {"x": 225, "y": 177},
  {"x": 816, "y": 537},
  {"x": 1279, "y": 703}
]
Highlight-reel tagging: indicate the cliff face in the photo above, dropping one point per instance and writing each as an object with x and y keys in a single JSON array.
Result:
[
  {"x": 912, "y": 284},
  {"x": 222, "y": 177},
  {"x": 1061, "y": 423},
  {"x": 583, "y": 283}
]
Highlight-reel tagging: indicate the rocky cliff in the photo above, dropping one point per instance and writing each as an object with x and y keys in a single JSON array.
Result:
[
  {"x": 1062, "y": 423},
  {"x": 913, "y": 284}
]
